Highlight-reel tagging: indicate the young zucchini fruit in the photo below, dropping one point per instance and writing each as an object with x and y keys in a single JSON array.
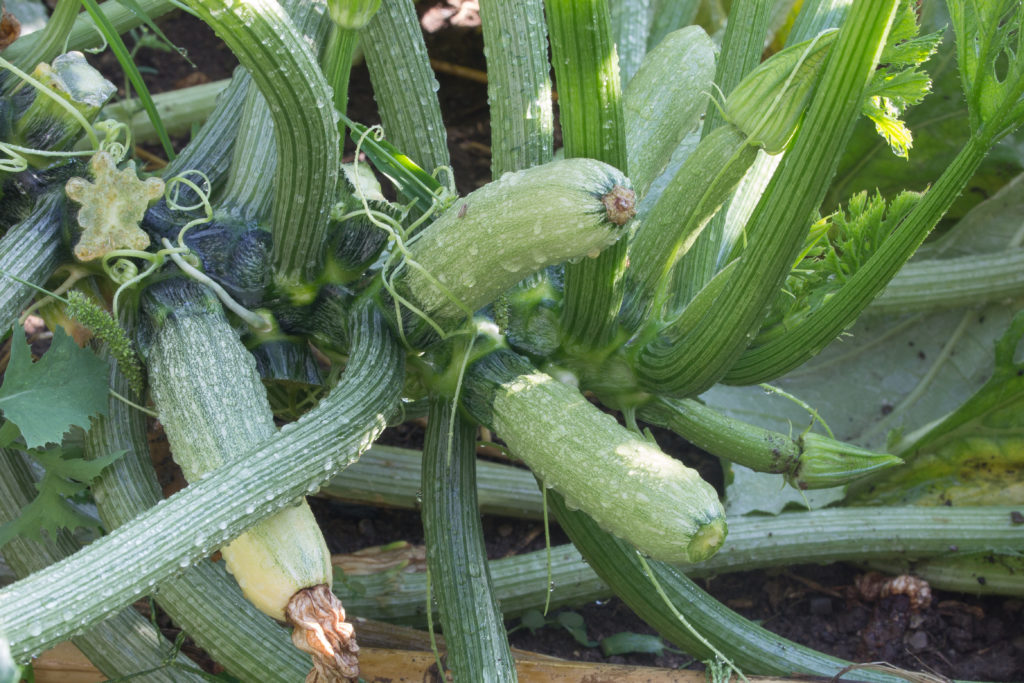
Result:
[
  {"x": 625, "y": 483},
  {"x": 213, "y": 409},
  {"x": 495, "y": 236}
]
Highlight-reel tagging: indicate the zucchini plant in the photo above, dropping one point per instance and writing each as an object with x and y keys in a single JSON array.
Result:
[{"x": 681, "y": 247}]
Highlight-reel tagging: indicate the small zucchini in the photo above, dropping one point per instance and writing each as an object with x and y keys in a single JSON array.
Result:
[
  {"x": 625, "y": 483},
  {"x": 213, "y": 408},
  {"x": 495, "y": 236}
]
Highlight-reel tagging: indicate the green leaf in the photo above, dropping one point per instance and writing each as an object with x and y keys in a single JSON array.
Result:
[
  {"x": 8, "y": 433},
  {"x": 533, "y": 620},
  {"x": 974, "y": 456},
  {"x": 627, "y": 643},
  {"x": 66, "y": 387},
  {"x": 67, "y": 475},
  {"x": 574, "y": 624}
]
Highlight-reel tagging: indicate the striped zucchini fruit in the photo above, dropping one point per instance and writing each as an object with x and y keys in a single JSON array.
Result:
[{"x": 214, "y": 409}]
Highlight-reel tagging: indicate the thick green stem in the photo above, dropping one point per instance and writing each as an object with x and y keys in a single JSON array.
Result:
[
  {"x": 84, "y": 33},
  {"x": 590, "y": 113},
  {"x": 518, "y": 85},
  {"x": 808, "y": 337},
  {"x": 630, "y": 20},
  {"x": 876, "y": 535},
  {"x": 687, "y": 364},
  {"x": 750, "y": 647},
  {"x": 30, "y": 251},
  {"x": 116, "y": 569},
  {"x": 390, "y": 477},
  {"x": 48, "y": 44},
  {"x": 673, "y": 224},
  {"x": 668, "y": 16},
  {"x": 400, "y": 72},
  {"x": 478, "y": 647},
  {"x": 337, "y": 62},
  {"x": 285, "y": 70},
  {"x": 123, "y": 645}
]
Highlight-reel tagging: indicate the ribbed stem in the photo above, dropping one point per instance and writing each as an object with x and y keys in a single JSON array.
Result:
[
  {"x": 808, "y": 461},
  {"x": 952, "y": 283},
  {"x": 753, "y": 649},
  {"x": 673, "y": 224},
  {"x": 205, "y": 601},
  {"x": 84, "y": 34},
  {"x": 669, "y": 15},
  {"x": 249, "y": 191},
  {"x": 391, "y": 477},
  {"x": 179, "y": 110},
  {"x": 710, "y": 251},
  {"x": 48, "y": 44},
  {"x": 30, "y": 250},
  {"x": 474, "y": 630},
  {"x": 812, "y": 334},
  {"x": 630, "y": 23},
  {"x": 590, "y": 112},
  {"x": 404, "y": 84},
  {"x": 518, "y": 85},
  {"x": 742, "y": 46},
  {"x": 685, "y": 365},
  {"x": 124, "y": 644},
  {"x": 117, "y": 568},
  {"x": 337, "y": 62},
  {"x": 876, "y": 535},
  {"x": 285, "y": 70}
]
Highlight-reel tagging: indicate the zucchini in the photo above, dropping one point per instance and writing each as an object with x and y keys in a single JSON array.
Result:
[
  {"x": 626, "y": 484},
  {"x": 485, "y": 242},
  {"x": 213, "y": 408}
]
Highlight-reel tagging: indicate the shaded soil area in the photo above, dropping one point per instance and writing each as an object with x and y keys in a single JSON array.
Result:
[{"x": 820, "y": 607}]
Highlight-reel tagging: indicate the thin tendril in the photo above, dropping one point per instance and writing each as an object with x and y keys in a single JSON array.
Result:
[
  {"x": 547, "y": 546},
  {"x": 128, "y": 402},
  {"x": 815, "y": 417},
  {"x": 678, "y": 615},
  {"x": 430, "y": 628}
]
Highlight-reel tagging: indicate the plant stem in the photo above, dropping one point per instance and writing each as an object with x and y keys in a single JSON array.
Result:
[
  {"x": 391, "y": 477},
  {"x": 124, "y": 644},
  {"x": 752, "y": 648},
  {"x": 687, "y": 364},
  {"x": 518, "y": 86},
  {"x": 478, "y": 647},
  {"x": 116, "y": 569},
  {"x": 30, "y": 251},
  {"x": 808, "y": 337},
  {"x": 401, "y": 74},
  {"x": 337, "y": 63},
  {"x": 305, "y": 132},
  {"x": 590, "y": 113},
  {"x": 48, "y": 44},
  {"x": 84, "y": 34},
  {"x": 630, "y": 23}
]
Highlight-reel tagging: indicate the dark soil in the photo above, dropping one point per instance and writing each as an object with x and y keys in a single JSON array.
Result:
[{"x": 956, "y": 636}]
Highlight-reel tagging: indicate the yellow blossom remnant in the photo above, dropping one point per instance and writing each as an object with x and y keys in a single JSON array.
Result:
[{"x": 112, "y": 207}]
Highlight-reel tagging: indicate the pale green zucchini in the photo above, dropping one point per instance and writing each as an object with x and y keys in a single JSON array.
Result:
[
  {"x": 214, "y": 409},
  {"x": 492, "y": 238},
  {"x": 626, "y": 484}
]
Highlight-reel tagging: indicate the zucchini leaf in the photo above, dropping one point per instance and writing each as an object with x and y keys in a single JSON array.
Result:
[
  {"x": 67, "y": 475},
  {"x": 889, "y": 376},
  {"x": 973, "y": 456},
  {"x": 940, "y": 129},
  {"x": 66, "y": 387}
]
